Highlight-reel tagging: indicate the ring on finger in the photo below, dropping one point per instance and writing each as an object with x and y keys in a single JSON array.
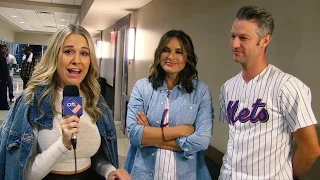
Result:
[{"x": 69, "y": 127}]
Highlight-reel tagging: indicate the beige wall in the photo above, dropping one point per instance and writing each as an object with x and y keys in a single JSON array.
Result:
[
  {"x": 294, "y": 48},
  {"x": 32, "y": 38},
  {"x": 13, "y": 34},
  {"x": 107, "y": 63},
  {"x": 6, "y": 34},
  {"x": 7, "y": 31}
]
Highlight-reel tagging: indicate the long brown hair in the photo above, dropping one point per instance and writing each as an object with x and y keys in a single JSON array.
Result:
[{"x": 189, "y": 73}]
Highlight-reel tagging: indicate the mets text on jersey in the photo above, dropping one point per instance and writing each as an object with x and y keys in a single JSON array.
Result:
[{"x": 245, "y": 114}]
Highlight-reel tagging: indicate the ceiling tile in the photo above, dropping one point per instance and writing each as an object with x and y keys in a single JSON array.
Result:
[
  {"x": 62, "y": 18},
  {"x": 51, "y": 29},
  {"x": 37, "y": 20},
  {"x": 32, "y": 18},
  {"x": 46, "y": 1},
  {"x": 73, "y": 19},
  {"x": 70, "y": 2},
  {"x": 47, "y": 18},
  {"x": 9, "y": 12},
  {"x": 52, "y": 20},
  {"x": 78, "y": 2}
]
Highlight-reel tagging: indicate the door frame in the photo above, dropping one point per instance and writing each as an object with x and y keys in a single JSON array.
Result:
[{"x": 122, "y": 23}]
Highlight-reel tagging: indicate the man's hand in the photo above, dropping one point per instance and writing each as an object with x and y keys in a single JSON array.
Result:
[{"x": 119, "y": 174}]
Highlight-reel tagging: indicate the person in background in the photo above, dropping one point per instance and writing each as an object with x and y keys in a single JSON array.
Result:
[
  {"x": 170, "y": 116},
  {"x": 35, "y": 138},
  {"x": 27, "y": 66},
  {"x": 4, "y": 78},
  {"x": 12, "y": 62}
]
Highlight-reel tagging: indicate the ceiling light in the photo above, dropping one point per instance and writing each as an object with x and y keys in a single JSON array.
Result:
[
  {"x": 14, "y": 16},
  {"x": 62, "y": 25},
  {"x": 21, "y": 22},
  {"x": 131, "y": 43},
  {"x": 63, "y": 20}
]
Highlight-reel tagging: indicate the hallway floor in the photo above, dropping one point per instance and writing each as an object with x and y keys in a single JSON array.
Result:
[{"x": 123, "y": 142}]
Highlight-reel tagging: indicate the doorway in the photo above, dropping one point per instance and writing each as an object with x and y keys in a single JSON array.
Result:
[{"x": 121, "y": 78}]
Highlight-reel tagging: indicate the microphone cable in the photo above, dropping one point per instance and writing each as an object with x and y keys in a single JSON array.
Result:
[
  {"x": 72, "y": 105},
  {"x": 74, "y": 145}
]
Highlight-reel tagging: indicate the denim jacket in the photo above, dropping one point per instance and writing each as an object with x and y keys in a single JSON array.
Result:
[
  {"x": 193, "y": 108},
  {"x": 17, "y": 137}
]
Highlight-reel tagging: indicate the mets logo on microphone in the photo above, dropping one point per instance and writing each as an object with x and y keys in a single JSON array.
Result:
[{"x": 73, "y": 105}]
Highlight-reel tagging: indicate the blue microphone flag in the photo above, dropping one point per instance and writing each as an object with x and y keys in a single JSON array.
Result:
[
  {"x": 72, "y": 106},
  {"x": 71, "y": 102}
]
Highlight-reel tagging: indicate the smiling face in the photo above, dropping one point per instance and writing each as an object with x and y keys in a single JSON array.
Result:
[
  {"x": 247, "y": 46},
  {"x": 74, "y": 61},
  {"x": 172, "y": 58}
]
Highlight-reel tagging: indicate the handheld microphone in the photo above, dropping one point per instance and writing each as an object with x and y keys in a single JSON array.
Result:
[{"x": 72, "y": 105}]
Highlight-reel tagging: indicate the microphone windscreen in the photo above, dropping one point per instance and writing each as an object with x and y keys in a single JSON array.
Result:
[{"x": 70, "y": 90}]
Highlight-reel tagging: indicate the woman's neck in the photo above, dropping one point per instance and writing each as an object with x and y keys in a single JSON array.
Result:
[{"x": 171, "y": 81}]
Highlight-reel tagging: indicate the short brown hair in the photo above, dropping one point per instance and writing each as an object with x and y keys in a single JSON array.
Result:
[{"x": 262, "y": 17}]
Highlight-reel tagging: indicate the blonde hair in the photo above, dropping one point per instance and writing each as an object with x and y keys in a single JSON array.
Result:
[{"x": 44, "y": 73}]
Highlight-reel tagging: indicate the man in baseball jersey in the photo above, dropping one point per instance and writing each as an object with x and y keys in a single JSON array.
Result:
[{"x": 266, "y": 109}]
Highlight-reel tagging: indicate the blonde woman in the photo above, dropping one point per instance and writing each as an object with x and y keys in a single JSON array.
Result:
[{"x": 35, "y": 139}]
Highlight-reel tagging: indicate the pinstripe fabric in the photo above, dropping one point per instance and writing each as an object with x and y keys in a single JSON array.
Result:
[
  {"x": 165, "y": 168},
  {"x": 261, "y": 115}
]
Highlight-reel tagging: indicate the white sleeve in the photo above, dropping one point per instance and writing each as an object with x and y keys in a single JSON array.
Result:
[
  {"x": 296, "y": 104},
  {"x": 104, "y": 168},
  {"x": 223, "y": 112},
  {"x": 101, "y": 165},
  {"x": 13, "y": 59},
  {"x": 39, "y": 165}
]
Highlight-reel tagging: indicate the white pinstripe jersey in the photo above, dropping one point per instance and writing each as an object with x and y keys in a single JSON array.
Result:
[
  {"x": 261, "y": 115},
  {"x": 165, "y": 168}
]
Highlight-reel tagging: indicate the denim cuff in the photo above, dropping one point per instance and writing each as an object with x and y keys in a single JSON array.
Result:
[{"x": 186, "y": 151}]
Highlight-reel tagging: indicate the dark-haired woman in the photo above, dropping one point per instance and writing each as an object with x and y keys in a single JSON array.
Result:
[{"x": 170, "y": 116}]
